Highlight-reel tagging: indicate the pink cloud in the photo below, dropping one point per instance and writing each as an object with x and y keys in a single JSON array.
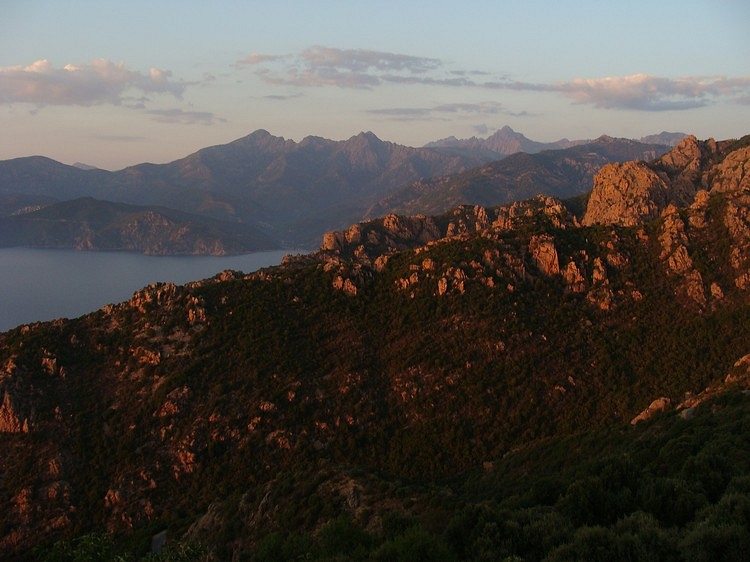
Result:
[{"x": 98, "y": 82}]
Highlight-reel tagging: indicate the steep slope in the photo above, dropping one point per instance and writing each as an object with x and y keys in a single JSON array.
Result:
[
  {"x": 412, "y": 367},
  {"x": 562, "y": 173}
]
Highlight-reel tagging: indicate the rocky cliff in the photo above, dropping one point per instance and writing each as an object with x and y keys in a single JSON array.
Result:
[
  {"x": 700, "y": 191},
  {"x": 632, "y": 192}
]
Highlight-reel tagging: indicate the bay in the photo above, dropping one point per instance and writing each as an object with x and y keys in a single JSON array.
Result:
[{"x": 40, "y": 285}]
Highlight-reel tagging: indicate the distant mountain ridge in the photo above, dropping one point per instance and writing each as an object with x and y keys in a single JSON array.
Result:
[
  {"x": 670, "y": 139},
  {"x": 562, "y": 173},
  {"x": 89, "y": 224},
  {"x": 293, "y": 191},
  {"x": 290, "y": 192},
  {"x": 506, "y": 141}
]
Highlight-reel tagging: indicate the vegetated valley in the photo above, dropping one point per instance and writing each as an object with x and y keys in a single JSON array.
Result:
[{"x": 543, "y": 380}]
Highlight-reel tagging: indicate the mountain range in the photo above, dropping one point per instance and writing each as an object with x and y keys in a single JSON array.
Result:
[
  {"x": 546, "y": 379},
  {"x": 506, "y": 141},
  {"x": 562, "y": 173},
  {"x": 281, "y": 193}
]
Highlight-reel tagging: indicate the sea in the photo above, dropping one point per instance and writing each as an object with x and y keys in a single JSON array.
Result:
[{"x": 40, "y": 285}]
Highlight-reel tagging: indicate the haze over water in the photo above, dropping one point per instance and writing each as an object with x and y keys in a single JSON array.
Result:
[{"x": 40, "y": 285}]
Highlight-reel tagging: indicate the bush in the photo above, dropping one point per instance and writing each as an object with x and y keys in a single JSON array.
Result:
[
  {"x": 342, "y": 537},
  {"x": 415, "y": 545}
]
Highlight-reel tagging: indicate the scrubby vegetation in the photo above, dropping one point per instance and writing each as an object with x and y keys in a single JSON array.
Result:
[
  {"x": 676, "y": 488},
  {"x": 463, "y": 401}
]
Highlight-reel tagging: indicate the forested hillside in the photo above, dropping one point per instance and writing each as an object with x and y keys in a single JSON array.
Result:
[{"x": 484, "y": 384}]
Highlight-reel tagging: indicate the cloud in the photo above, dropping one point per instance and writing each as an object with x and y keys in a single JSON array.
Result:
[
  {"x": 325, "y": 77},
  {"x": 366, "y": 69},
  {"x": 641, "y": 92},
  {"x": 120, "y": 138},
  {"x": 98, "y": 82},
  {"x": 360, "y": 60},
  {"x": 430, "y": 81},
  {"x": 282, "y": 97},
  {"x": 184, "y": 117},
  {"x": 344, "y": 68},
  {"x": 439, "y": 111},
  {"x": 484, "y": 108},
  {"x": 258, "y": 58},
  {"x": 402, "y": 113}
]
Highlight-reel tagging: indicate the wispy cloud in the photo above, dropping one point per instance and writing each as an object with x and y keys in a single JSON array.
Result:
[
  {"x": 345, "y": 68},
  {"x": 653, "y": 93},
  {"x": 98, "y": 82},
  {"x": 360, "y": 60},
  {"x": 282, "y": 97},
  {"x": 642, "y": 92},
  {"x": 357, "y": 68},
  {"x": 185, "y": 117},
  {"x": 120, "y": 138},
  {"x": 258, "y": 58},
  {"x": 439, "y": 111}
]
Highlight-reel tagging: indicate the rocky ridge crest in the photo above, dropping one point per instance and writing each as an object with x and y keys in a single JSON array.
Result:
[
  {"x": 700, "y": 192},
  {"x": 633, "y": 192}
]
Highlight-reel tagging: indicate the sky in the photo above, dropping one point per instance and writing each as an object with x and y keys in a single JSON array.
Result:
[{"x": 113, "y": 84}]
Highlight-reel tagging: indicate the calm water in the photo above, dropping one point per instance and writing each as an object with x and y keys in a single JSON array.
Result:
[{"x": 48, "y": 284}]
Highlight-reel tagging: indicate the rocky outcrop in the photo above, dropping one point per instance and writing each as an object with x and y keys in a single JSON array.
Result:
[
  {"x": 626, "y": 194},
  {"x": 738, "y": 377},
  {"x": 574, "y": 280},
  {"x": 634, "y": 192},
  {"x": 386, "y": 235},
  {"x": 675, "y": 253},
  {"x": 733, "y": 173},
  {"x": 740, "y": 372},
  {"x": 508, "y": 217},
  {"x": 10, "y": 422},
  {"x": 658, "y": 405},
  {"x": 736, "y": 219},
  {"x": 684, "y": 166},
  {"x": 544, "y": 254},
  {"x": 466, "y": 219},
  {"x": 700, "y": 190},
  {"x": 169, "y": 295}
]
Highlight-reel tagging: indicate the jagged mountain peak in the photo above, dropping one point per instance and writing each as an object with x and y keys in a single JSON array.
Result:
[
  {"x": 504, "y": 141},
  {"x": 369, "y": 135}
]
